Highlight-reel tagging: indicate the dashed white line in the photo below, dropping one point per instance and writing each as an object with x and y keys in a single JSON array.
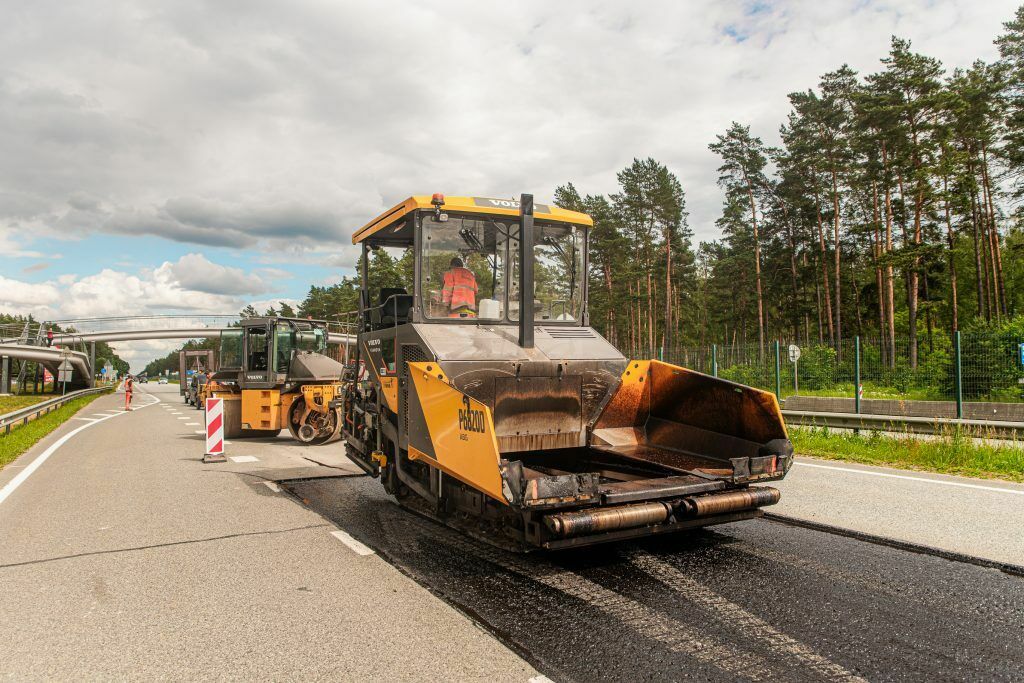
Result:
[
  {"x": 922, "y": 480},
  {"x": 86, "y": 419},
  {"x": 244, "y": 458},
  {"x": 202, "y": 431},
  {"x": 354, "y": 545},
  {"x": 192, "y": 424}
]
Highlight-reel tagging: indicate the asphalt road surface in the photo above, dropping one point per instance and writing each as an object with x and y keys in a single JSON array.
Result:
[
  {"x": 124, "y": 556},
  {"x": 756, "y": 600}
]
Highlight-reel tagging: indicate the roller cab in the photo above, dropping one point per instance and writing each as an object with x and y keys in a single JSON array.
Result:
[{"x": 531, "y": 430}]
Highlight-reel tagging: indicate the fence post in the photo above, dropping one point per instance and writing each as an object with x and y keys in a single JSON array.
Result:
[
  {"x": 714, "y": 360},
  {"x": 958, "y": 378},
  {"x": 661, "y": 353},
  {"x": 778, "y": 372},
  {"x": 856, "y": 373}
]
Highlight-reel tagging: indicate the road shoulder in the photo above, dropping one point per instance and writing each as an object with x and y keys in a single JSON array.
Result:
[{"x": 959, "y": 514}]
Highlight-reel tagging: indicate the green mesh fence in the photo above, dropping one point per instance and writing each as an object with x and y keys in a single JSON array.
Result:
[{"x": 990, "y": 367}]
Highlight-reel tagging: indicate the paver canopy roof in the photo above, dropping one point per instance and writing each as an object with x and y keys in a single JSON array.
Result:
[{"x": 487, "y": 205}]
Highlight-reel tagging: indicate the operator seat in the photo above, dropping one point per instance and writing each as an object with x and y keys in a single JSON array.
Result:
[{"x": 393, "y": 309}]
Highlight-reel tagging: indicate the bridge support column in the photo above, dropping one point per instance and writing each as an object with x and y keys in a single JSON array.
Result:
[
  {"x": 5, "y": 375},
  {"x": 92, "y": 364}
]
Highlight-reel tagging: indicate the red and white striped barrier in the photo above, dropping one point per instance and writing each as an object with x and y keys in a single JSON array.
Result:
[{"x": 214, "y": 430}]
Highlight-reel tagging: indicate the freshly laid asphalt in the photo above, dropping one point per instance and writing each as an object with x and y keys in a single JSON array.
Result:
[
  {"x": 123, "y": 556},
  {"x": 756, "y": 600}
]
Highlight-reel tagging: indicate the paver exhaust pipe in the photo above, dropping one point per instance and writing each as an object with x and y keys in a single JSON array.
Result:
[{"x": 526, "y": 339}]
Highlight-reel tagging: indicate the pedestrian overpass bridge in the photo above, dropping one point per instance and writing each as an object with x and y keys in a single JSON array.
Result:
[{"x": 28, "y": 342}]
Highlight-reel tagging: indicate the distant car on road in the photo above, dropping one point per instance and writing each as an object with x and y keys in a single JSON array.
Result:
[
  {"x": 163, "y": 380},
  {"x": 143, "y": 380}
]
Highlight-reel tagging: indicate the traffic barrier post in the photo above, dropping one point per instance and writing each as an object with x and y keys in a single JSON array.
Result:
[
  {"x": 958, "y": 378},
  {"x": 778, "y": 372},
  {"x": 856, "y": 374},
  {"x": 214, "y": 430}
]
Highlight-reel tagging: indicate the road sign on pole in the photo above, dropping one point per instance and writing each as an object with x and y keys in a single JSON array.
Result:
[
  {"x": 214, "y": 430},
  {"x": 794, "y": 357},
  {"x": 64, "y": 370}
]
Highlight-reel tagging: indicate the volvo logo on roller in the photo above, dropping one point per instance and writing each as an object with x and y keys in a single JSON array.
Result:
[
  {"x": 470, "y": 420},
  {"x": 506, "y": 204}
]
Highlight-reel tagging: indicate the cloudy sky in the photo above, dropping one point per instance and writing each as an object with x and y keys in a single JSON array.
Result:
[{"x": 194, "y": 156}]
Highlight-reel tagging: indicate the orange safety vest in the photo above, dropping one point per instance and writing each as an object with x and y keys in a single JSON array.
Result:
[{"x": 459, "y": 290}]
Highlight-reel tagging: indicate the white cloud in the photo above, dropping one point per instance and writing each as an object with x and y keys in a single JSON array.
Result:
[
  {"x": 196, "y": 272},
  {"x": 24, "y": 297},
  {"x": 191, "y": 287},
  {"x": 283, "y": 126}
]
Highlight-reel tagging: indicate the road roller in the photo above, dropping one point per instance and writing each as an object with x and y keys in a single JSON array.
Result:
[{"x": 273, "y": 373}]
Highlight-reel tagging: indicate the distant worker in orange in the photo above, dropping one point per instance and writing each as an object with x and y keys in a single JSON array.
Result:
[
  {"x": 129, "y": 386},
  {"x": 459, "y": 293}
]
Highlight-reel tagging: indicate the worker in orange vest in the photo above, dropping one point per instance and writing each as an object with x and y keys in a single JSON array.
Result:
[
  {"x": 129, "y": 386},
  {"x": 459, "y": 292}
]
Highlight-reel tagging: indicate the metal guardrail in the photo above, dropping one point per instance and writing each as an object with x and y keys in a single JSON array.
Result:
[
  {"x": 906, "y": 424},
  {"x": 29, "y": 413}
]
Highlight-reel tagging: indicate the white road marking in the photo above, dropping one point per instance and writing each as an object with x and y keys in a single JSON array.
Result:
[
  {"x": 183, "y": 418},
  {"x": 244, "y": 458},
  {"x": 540, "y": 679},
  {"x": 272, "y": 485},
  {"x": 192, "y": 424},
  {"x": 35, "y": 464},
  {"x": 923, "y": 480},
  {"x": 202, "y": 431},
  {"x": 87, "y": 419},
  {"x": 226, "y": 443},
  {"x": 354, "y": 545}
]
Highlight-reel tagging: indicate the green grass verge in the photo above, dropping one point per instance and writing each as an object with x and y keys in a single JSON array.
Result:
[
  {"x": 845, "y": 390},
  {"x": 949, "y": 453},
  {"x": 11, "y": 403},
  {"x": 22, "y": 438}
]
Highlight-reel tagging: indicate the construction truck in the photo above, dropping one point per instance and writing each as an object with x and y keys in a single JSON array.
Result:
[
  {"x": 272, "y": 373},
  {"x": 484, "y": 399},
  {"x": 194, "y": 367}
]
